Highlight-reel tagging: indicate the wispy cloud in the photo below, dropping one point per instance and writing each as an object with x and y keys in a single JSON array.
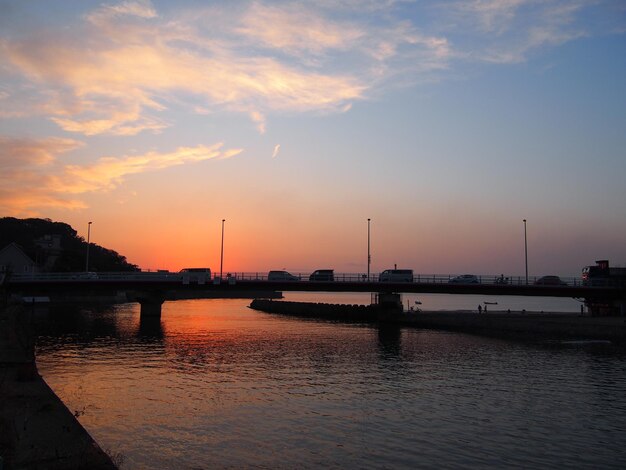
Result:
[
  {"x": 294, "y": 28},
  {"x": 508, "y": 31},
  {"x": 109, "y": 172},
  {"x": 17, "y": 153},
  {"x": 276, "y": 150},
  {"x": 488, "y": 16},
  {"x": 25, "y": 165},
  {"x": 131, "y": 62},
  {"x": 138, "y": 8},
  {"x": 34, "y": 178},
  {"x": 117, "y": 69},
  {"x": 259, "y": 119},
  {"x": 32, "y": 203}
]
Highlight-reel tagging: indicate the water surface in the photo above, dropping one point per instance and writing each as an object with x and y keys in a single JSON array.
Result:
[{"x": 213, "y": 384}]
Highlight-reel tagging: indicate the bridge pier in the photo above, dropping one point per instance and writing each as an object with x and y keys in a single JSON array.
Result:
[
  {"x": 150, "y": 304},
  {"x": 389, "y": 300},
  {"x": 600, "y": 307}
]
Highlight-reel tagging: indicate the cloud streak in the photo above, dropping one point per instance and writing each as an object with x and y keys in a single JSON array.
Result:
[
  {"x": 109, "y": 172},
  {"x": 297, "y": 29},
  {"x": 16, "y": 152},
  {"x": 35, "y": 178},
  {"x": 508, "y": 31},
  {"x": 276, "y": 150}
]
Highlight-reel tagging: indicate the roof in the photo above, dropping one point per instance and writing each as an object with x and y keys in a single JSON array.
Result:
[{"x": 16, "y": 249}]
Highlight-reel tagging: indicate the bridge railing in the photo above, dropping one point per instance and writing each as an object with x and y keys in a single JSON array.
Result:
[
  {"x": 417, "y": 278},
  {"x": 262, "y": 276}
]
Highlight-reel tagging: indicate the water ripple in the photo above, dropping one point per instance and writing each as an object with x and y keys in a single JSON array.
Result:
[{"x": 216, "y": 385}]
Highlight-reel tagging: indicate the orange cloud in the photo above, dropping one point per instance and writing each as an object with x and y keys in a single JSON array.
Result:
[
  {"x": 29, "y": 202},
  {"x": 109, "y": 172},
  {"x": 33, "y": 178},
  {"x": 16, "y": 152},
  {"x": 116, "y": 87}
]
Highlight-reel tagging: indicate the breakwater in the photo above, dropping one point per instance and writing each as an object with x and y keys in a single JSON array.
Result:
[
  {"x": 343, "y": 312},
  {"x": 527, "y": 325},
  {"x": 37, "y": 431}
]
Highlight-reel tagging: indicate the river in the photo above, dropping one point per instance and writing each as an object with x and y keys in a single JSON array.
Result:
[{"x": 213, "y": 384}]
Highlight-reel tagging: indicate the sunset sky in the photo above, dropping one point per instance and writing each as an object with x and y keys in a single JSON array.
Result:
[{"x": 445, "y": 122}]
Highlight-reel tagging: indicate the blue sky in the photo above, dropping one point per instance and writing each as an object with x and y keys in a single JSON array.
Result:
[{"x": 446, "y": 123}]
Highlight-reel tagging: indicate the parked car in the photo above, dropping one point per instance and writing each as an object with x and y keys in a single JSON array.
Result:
[
  {"x": 281, "y": 276},
  {"x": 464, "y": 279},
  {"x": 550, "y": 281},
  {"x": 322, "y": 275},
  {"x": 396, "y": 275}
]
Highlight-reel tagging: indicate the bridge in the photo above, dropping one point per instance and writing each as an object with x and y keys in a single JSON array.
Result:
[{"x": 151, "y": 289}]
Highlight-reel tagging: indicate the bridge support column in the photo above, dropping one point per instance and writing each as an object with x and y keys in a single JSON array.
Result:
[
  {"x": 150, "y": 305},
  {"x": 388, "y": 305}
]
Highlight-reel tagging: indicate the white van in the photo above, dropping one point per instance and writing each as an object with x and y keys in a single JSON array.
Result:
[
  {"x": 396, "y": 275},
  {"x": 199, "y": 275}
]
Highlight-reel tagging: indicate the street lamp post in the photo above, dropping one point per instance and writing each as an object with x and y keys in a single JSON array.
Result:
[
  {"x": 222, "y": 252},
  {"x": 526, "y": 251},
  {"x": 88, "y": 243},
  {"x": 369, "y": 258}
]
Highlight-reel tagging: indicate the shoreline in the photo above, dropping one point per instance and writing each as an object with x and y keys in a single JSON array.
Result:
[{"x": 37, "y": 430}]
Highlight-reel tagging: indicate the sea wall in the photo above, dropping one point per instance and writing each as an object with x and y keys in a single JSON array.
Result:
[
  {"x": 343, "y": 312},
  {"x": 530, "y": 325},
  {"x": 37, "y": 431}
]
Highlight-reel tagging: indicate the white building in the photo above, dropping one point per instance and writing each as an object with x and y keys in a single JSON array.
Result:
[{"x": 14, "y": 260}]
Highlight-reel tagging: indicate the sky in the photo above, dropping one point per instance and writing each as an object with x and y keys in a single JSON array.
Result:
[{"x": 447, "y": 123}]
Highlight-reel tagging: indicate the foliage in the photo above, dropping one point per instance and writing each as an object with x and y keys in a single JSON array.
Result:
[{"x": 25, "y": 232}]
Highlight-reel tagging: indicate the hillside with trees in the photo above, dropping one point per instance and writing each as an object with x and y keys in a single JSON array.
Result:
[{"x": 32, "y": 234}]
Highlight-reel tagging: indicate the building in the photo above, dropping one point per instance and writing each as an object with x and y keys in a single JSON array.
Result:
[
  {"x": 48, "y": 251},
  {"x": 14, "y": 260}
]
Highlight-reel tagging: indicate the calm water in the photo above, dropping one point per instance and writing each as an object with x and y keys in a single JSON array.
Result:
[{"x": 214, "y": 384}]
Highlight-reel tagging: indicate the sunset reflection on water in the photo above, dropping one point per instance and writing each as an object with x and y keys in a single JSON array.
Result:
[{"x": 215, "y": 384}]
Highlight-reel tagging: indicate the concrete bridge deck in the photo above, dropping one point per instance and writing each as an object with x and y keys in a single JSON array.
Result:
[
  {"x": 151, "y": 289},
  {"x": 342, "y": 283}
]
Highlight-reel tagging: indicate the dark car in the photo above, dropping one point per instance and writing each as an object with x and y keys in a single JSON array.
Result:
[
  {"x": 281, "y": 276},
  {"x": 322, "y": 275},
  {"x": 464, "y": 279},
  {"x": 396, "y": 275},
  {"x": 550, "y": 281}
]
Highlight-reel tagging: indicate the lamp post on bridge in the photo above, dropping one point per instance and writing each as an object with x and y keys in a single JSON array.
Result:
[
  {"x": 222, "y": 251},
  {"x": 369, "y": 258},
  {"x": 526, "y": 251},
  {"x": 88, "y": 243}
]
